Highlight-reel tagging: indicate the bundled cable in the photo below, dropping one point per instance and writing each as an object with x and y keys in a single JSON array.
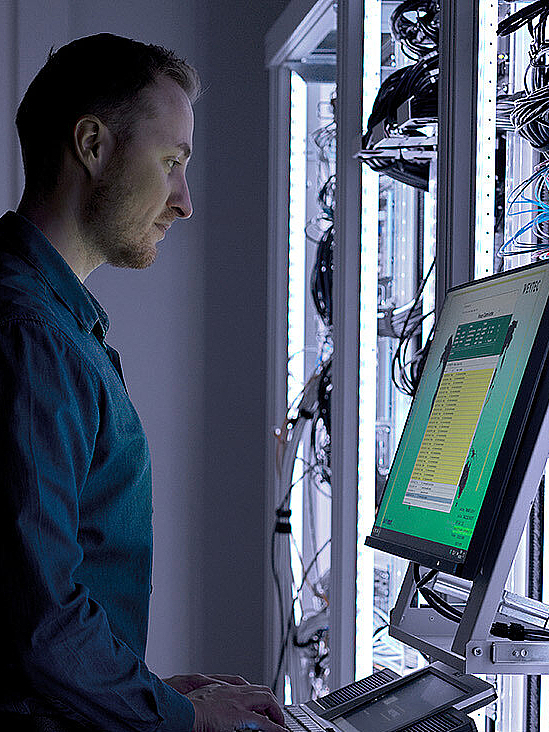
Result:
[
  {"x": 326, "y": 197},
  {"x": 322, "y": 276},
  {"x": 392, "y": 321},
  {"x": 531, "y": 109},
  {"x": 418, "y": 81},
  {"x": 418, "y": 35},
  {"x": 431, "y": 598},
  {"x": 530, "y": 117},
  {"x": 312, "y": 407},
  {"x": 536, "y": 204},
  {"x": 322, "y": 271},
  {"x": 321, "y": 431},
  {"x": 290, "y": 626},
  {"x": 513, "y": 22},
  {"x": 406, "y": 372}
]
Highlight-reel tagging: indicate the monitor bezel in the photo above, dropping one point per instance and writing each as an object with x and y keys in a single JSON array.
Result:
[{"x": 530, "y": 403}]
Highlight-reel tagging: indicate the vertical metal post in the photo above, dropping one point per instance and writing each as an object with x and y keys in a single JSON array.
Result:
[
  {"x": 350, "y": 34},
  {"x": 532, "y": 705},
  {"x": 457, "y": 140},
  {"x": 277, "y": 347}
]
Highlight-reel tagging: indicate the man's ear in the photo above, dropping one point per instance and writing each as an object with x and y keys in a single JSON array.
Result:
[{"x": 94, "y": 143}]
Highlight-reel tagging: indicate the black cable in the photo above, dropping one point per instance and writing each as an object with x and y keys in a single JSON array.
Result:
[
  {"x": 286, "y": 635},
  {"x": 322, "y": 277},
  {"x": 283, "y": 526},
  {"x": 422, "y": 581},
  {"x": 530, "y": 115},
  {"x": 420, "y": 81},
  {"x": 512, "y": 23},
  {"x": 283, "y": 648},
  {"x": 512, "y": 631},
  {"x": 379, "y": 631},
  {"x": 410, "y": 369},
  {"x": 432, "y": 599},
  {"x": 277, "y": 582},
  {"x": 324, "y": 398},
  {"x": 407, "y": 384},
  {"x": 326, "y": 197},
  {"x": 321, "y": 290},
  {"x": 418, "y": 36}
]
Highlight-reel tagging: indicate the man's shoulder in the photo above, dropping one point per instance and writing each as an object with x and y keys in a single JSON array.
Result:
[
  {"x": 34, "y": 338},
  {"x": 24, "y": 293},
  {"x": 28, "y": 304}
]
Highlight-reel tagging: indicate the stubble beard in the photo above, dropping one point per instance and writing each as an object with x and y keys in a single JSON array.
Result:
[{"x": 109, "y": 224}]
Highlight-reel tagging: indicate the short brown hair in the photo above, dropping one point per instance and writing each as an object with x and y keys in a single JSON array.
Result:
[{"x": 102, "y": 75}]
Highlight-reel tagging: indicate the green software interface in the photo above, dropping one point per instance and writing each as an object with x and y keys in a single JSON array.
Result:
[{"x": 456, "y": 425}]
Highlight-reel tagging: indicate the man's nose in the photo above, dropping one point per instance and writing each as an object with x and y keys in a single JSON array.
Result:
[{"x": 180, "y": 199}]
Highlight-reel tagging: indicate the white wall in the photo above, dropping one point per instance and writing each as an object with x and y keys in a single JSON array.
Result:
[{"x": 192, "y": 329}]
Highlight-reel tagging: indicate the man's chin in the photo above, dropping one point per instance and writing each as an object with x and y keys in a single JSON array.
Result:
[{"x": 133, "y": 259}]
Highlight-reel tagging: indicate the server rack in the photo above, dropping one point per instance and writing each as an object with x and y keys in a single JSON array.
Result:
[{"x": 478, "y": 162}]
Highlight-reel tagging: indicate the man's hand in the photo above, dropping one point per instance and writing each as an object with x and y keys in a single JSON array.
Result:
[
  {"x": 225, "y": 707},
  {"x": 189, "y": 682}
]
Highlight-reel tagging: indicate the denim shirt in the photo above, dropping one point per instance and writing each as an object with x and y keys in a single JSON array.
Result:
[{"x": 75, "y": 512}]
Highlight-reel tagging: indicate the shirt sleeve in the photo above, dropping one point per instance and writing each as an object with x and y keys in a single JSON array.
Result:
[{"x": 59, "y": 647}]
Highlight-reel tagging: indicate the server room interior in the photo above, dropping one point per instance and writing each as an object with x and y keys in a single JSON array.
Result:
[
  {"x": 192, "y": 330},
  {"x": 499, "y": 110}
]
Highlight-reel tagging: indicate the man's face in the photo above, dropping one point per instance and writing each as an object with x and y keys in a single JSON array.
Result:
[{"x": 144, "y": 187}]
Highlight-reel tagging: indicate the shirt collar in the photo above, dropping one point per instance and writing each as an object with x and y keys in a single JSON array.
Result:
[{"x": 21, "y": 237}]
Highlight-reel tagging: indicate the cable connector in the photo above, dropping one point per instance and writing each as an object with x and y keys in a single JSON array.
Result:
[
  {"x": 517, "y": 632},
  {"x": 283, "y": 525},
  {"x": 513, "y": 631},
  {"x": 500, "y": 630}
]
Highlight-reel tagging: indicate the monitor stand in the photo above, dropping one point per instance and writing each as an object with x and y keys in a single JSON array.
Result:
[{"x": 469, "y": 645}]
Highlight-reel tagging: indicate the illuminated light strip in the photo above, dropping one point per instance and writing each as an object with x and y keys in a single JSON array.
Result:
[
  {"x": 296, "y": 253},
  {"x": 486, "y": 139},
  {"x": 297, "y": 284},
  {"x": 368, "y": 341}
]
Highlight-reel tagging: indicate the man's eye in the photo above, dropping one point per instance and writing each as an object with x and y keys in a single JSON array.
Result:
[{"x": 172, "y": 162}]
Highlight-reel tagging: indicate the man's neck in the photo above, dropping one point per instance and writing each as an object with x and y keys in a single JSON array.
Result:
[{"x": 59, "y": 225}]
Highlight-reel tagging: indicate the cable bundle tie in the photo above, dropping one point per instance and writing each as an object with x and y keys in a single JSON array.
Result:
[{"x": 283, "y": 525}]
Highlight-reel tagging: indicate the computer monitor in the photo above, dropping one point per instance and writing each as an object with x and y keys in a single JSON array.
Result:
[{"x": 481, "y": 391}]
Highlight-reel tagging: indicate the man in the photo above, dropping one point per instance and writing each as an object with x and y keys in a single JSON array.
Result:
[{"x": 106, "y": 134}]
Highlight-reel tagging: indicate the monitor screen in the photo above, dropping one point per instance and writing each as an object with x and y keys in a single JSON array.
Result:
[{"x": 464, "y": 427}]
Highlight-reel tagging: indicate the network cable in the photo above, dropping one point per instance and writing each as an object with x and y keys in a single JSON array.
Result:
[
  {"x": 536, "y": 204},
  {"x": 530, "y": 115}
]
